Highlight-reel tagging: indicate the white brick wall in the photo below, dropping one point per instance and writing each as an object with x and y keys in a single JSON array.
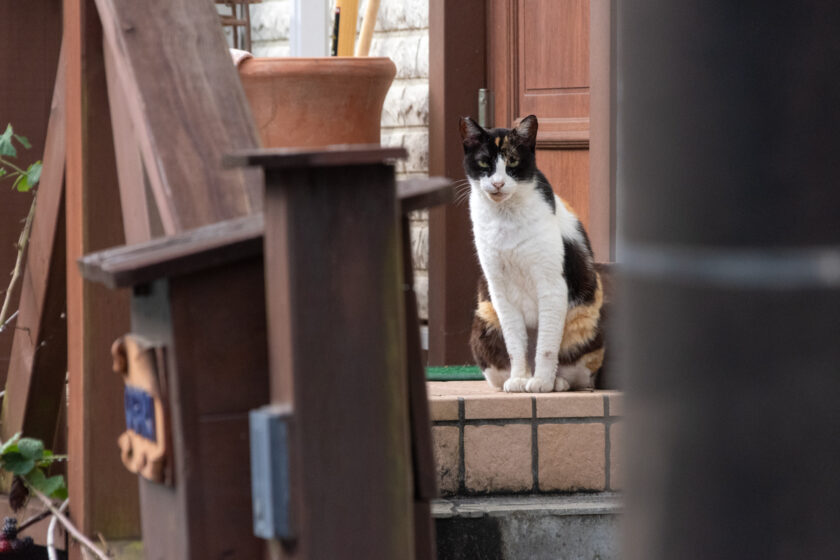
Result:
[{"x": 401, "y": 33}]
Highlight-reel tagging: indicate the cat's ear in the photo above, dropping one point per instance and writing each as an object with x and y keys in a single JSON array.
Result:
[
  {"x": 471, "y": 133},
  {"x": 526, "y": 131}
]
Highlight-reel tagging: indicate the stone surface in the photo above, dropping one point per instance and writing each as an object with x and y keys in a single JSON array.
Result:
[
  {"x": 409, "y": 51},
  {"x": 616, "y": 399},
  {"x": 497, "y": 458},
  {"x": 616, "y": 451},
  {"x": 395, "y": 15},
  {"x": 571, "y": 457},
  {"x": 574, "y": 527},
  {"x": 443, "y": 408},
  {"x": 570, "y": 405},
  {"x": 498, "y": 405},
  {"x": 447, "y": 453},
  {"x": 270, "y": 21},
  {"x": 416, "y": 142}
]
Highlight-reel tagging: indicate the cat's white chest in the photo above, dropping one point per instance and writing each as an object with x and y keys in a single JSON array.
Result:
[{"x": 520, "y": 253}]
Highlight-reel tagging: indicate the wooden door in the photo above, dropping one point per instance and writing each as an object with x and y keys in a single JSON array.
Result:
[{"x": 550, "y": 58}]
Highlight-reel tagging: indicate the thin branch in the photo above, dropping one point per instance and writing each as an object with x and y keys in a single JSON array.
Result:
[
  {"x": 34, "y": 519},
  {"x": 13, "y": 166},
  {"x": 69, "y": 525},
  {"x": 9, "y": 320},
  {"x": 51, "y": 532},
  {"x": 24, "y": 239}
]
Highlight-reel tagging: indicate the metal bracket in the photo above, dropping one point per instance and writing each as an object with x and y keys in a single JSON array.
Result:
[{"x": 270, "y": 488}]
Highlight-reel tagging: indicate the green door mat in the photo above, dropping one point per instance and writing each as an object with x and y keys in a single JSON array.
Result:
[{"x": 453, "y": 373}]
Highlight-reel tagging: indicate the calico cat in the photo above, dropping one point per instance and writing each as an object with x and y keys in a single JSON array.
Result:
[{"x": 540, "y": 284}]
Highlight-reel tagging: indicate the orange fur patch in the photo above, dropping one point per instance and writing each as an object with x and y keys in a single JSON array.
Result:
[
  {"x": 487, "y": 313},
  {"x": 593, "y": 361},
  {"x": 568, "y": 206},
  {"x": 582, "y": 321},
  {"x": 498, "y": 139}
]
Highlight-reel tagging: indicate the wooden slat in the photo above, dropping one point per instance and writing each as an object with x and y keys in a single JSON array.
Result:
[
  {"x": 136, "y": 220},
  {"x": 187, "y": 108},
  {"x": 284, "y": 158},
  {"x": 417, "y": 194},
  {"x": 176, "y": 255},
  {"x": 220, "y": 243},
  {"x": 38, "y": 361},
  {"x": 30, "y": 37},
  {"x": 422, "y": 456},
  {"x": 103, "y": 494}
]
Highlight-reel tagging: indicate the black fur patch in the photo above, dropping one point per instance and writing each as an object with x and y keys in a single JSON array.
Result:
[
  {"x": 579, "y": 272},
  {"x": 544, "y": 188}
]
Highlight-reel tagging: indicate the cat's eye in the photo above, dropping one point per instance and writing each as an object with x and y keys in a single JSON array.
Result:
[
  {"x": 483, "y": 164},
  {"x": 512, "y": 162}
]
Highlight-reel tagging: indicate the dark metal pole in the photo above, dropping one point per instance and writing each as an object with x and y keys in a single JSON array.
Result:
[{"x": 728, "y": 160}]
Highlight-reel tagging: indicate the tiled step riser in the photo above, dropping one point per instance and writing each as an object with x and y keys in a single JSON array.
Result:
[{"x": 488, "y": 443}]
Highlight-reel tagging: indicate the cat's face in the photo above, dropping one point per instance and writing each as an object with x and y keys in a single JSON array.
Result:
[{"x": 496, "y": 161}]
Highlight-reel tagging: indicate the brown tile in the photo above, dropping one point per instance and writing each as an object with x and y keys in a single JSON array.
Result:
[
  {"x": 616, "y": 451},
  {"x": 616, "y": 402},
  {"x": 458, "y": 388},
  {"x": 446, "y": 445},
  {"x": 443, "y": 408},
  {"x": 570, "y": 405},
  {"x": 498, "y": 458},
  {"x": 498, "y": 405},
  {"x": 571, "y": 457}
]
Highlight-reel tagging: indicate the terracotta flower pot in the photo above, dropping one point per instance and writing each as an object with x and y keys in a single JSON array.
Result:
[{"x": 311, "y": 102}]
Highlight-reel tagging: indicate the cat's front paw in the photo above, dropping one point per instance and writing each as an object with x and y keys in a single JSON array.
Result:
[
  {"x": 539, "y": 385},
  {"x": 516, "y": 384}
]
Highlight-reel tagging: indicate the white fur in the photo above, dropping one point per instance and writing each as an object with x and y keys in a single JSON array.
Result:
[{"x": 520, "y": 247}]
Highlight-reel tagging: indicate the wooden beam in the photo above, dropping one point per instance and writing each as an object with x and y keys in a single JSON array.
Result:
[
  {"x": 187, "y": 108},
  {"x": 457, "y": 71},
  {"x": 136, "y": 216},
  {"x": 104, "y": 495},
  {"x": 30, "y": 37},
  {"x": 35, "y": 384},
  {"x": 601, "y": 169}
]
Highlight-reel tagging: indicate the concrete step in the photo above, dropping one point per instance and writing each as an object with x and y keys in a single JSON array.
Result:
[{"x": 567, "y": 527}]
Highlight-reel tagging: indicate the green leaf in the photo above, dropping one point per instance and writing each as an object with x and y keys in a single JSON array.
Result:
[
  {"x": 47, "y": 486},
  {"x": 23, "y": 141},
  {"x": 60, "y": 494},
  {"x": 33, "y": 174},
  {"x": 16, "y": 463},
  {"x": 17, "y": 184},
  {"x": 2, "y": 171},
  {"x": 7, "y": 445},
  {"x": 31, "y": 448},
  {"x": 6, "y": 146}
]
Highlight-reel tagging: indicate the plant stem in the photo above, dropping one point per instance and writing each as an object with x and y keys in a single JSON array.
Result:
[
  {"x": 69, "y": 525},
  {"x": 51, "y": 532},
  {"x": 34, "y": 519},
  {"x": 22, "y": 242},
  {"x": 13, "y": 166}
]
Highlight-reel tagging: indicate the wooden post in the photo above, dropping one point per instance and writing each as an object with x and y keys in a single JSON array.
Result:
[
  {"x": 337, "y": 353},
  {"x": 457, "y": 67},
  {"x": 103, "y": 494}
]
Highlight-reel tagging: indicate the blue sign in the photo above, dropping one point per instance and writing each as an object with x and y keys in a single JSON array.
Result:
[{"x": 140, "y": 412}]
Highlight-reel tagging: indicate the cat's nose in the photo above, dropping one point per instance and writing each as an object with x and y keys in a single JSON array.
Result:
[{"x": 498, "y": 185}]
